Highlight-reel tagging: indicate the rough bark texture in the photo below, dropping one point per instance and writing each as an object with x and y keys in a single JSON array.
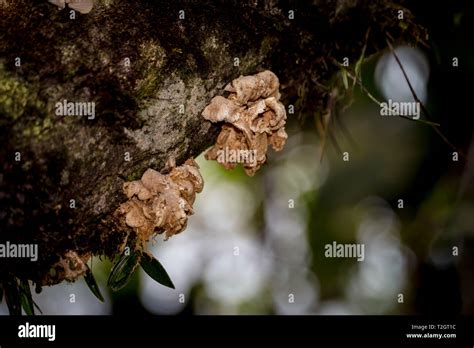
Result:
[{"x": 173, "y": 62}]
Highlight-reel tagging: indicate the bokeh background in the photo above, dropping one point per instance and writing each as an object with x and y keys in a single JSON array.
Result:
[{"x": 256, "y": 245}]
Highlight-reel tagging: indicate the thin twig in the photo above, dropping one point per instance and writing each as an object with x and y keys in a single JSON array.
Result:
[
  {"x": 423, "y": 108},
  {"x": 412, "y": 90},
  {"x": 379, "y": 103}
]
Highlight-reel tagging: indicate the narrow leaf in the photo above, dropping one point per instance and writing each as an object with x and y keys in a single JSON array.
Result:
[
  {"x": 37, "y": 307},
  {"x": 92, "y": 284},
  {"x": 25, "y": 297},
  {"x": 123, "y": 270},
  {"x": 155, "y": 270},
  {"x": 344, "y": 79}
]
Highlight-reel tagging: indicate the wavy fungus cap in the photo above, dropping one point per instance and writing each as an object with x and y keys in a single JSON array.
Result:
[
  {"x": 254, "y": 119},
  {"x": 161, "y": 203}
]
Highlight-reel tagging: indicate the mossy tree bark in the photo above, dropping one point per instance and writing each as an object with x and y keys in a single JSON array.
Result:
[{"x": 150, "y": 68}]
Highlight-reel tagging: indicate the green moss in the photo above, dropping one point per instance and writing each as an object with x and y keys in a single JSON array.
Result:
[
  {"x": 152, "y": 60},
  {"x": 27, "y": 165},
  {"x": 13, "y": 97},
  {"x": 38, "y": 128},
  {"x": 135, "y": 175},
  {"x": 267, "y": 45},
  {"x": 252, "y": 58}
]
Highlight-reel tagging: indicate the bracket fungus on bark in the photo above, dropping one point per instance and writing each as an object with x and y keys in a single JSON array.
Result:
[
  {"x": 254, "y": 119},
  {"x": 161, "y": 203}
]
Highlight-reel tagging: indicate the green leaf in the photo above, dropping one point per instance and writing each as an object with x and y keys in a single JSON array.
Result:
[
  {"x": 25, "y": 297},
  {"x": 155, "y": 270},
  {"x": 92, "y": 284},
  {"x": 12, "y": 296},
  {"x": 123, "y": 270},
  {"x": 344, "y": 79}
]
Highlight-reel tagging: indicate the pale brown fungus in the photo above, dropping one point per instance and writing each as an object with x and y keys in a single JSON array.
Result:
[
  {"x": 253, "y": 117},
  {"x": 161, "y": 203}
]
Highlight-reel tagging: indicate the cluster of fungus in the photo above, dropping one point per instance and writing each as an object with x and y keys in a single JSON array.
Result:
[
  {"x": 70, "y": 267},
  {"x": 161, "y": 203},
  {"x": 253, "y": 117},
  {"x": 157, "y": 203}
]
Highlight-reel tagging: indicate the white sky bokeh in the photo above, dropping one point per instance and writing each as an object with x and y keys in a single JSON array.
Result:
[{"x": 390, "y": 79}]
